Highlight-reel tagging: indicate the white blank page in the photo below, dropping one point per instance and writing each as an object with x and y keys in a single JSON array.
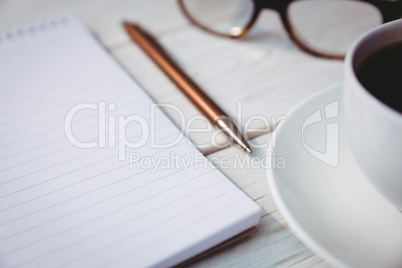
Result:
[{"x": 65, "y": 206}]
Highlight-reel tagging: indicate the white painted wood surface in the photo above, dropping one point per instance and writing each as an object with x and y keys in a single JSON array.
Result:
[{"x": 266, "y": 72}]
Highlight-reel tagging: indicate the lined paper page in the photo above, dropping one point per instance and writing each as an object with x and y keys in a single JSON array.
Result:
[{"x": 105, "y": 205}]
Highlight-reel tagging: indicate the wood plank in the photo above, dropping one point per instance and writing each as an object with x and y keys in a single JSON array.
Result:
[
  {"x": 102, "y": 17},
  {"x": 271, "y": 243}
]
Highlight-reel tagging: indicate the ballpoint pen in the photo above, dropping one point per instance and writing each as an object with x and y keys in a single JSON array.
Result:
[{"x": 192, "y": 91}]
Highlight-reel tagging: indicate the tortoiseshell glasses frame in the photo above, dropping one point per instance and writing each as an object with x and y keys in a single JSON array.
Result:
[{"x": 390, "y": 10}]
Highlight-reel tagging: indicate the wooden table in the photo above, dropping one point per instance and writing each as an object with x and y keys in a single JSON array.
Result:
[{"x": 265, "y": 73}]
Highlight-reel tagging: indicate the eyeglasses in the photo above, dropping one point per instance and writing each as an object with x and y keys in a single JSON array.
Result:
[{"x": 323, "y": 28}]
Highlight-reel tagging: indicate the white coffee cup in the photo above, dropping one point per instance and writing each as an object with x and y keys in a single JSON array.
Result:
[{"x": 374, "y": 130}]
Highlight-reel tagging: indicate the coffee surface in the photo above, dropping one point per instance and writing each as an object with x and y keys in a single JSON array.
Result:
[{"x": 381, "y": 74}]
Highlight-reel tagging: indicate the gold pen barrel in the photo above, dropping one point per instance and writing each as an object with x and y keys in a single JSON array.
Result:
[{"x": 192, "y": 91}]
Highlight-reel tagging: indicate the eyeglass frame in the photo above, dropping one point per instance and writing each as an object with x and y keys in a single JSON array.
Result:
[{"x": 390, "y": 10}]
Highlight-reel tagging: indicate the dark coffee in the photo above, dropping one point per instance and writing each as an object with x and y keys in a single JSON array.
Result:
[{"x": 381, "y": 74}]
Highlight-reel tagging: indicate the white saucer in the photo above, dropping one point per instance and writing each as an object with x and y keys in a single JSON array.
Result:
[{"x": 333, "y": 210}]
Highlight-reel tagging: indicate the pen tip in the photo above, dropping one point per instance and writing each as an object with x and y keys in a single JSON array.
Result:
[{"x": 248, "y": 150}]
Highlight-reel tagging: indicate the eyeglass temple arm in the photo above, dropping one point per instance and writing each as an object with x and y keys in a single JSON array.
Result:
[{"x": 391, "y": 10}]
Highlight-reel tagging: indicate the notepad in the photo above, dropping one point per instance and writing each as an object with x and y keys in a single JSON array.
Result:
[{"x": 92, "y": 172}]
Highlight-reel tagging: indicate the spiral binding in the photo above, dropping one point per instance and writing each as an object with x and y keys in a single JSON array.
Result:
[{"x": 33, "y": 28}]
